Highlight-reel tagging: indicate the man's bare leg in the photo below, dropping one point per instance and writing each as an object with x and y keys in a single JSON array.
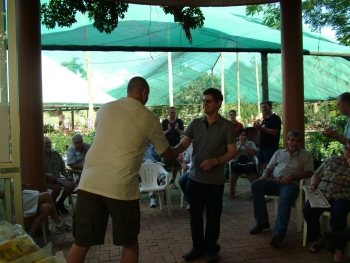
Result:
[
  {"x": 45, "y": 198},
  {"x": 77, "y": 254},
  {"x": 130, "y": 253},
  {"x": 43, "y": 211}
]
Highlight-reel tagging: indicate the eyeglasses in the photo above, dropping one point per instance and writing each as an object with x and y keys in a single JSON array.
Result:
[
  {"x": 47, "y": 143},
  {"x": 208, "y": 101},
  {"x": 77, "y": 142}
]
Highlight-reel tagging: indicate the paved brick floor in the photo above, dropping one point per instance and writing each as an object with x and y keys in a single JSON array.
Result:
[{"x": 165, "y": 238}]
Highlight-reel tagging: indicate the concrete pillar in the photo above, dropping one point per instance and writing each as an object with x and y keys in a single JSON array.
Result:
[
  {"x": 30, "y": 94},
  {"x": 292, "y": 67}
]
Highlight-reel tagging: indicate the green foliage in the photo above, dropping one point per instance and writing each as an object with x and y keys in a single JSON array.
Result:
[
  {"x": 48, "y": 128},
  {"x": 60, "y": 140},
  {"x": 322, "y": 147},
  {"x": 271, "y": 12},
  {"x": 75, "y": 67},
  {"x": 317, "y": 14},
  {"x": 106, "y": 14},
  {"x": 187, "y": 17}
]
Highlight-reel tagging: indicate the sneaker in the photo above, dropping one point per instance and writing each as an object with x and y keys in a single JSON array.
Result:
[
  {"x": 171, "y": 181},
  {"x": 60, "y": 207},
  {"x": 153, "y": 202},
  {"x": 63, "y": 228},
  {"x": 267, "y": 199},
  {"x": 174, "y": 186},
  {"x": 188, "y": 207}
]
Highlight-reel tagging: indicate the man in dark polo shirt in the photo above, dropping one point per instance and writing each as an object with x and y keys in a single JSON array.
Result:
[
  {"x": 214, "y": 144},
  {"x": 172, "y": 128},
  {"x": 270, "y": 131}
]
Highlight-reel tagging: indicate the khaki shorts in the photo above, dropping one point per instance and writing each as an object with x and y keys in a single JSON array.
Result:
[{"x": 91, "y": 218}]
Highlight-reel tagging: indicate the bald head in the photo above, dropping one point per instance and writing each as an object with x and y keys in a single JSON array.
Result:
[{"x": 138, "y": 89}]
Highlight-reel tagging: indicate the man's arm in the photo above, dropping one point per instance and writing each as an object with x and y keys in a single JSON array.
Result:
[
  {"x": 297, "y": 176},
  {"x": 331, "y": 133},
  {"x": 183, "y": 145},
  {"x": 315, "y": 181},
  {"x": 76, "y": 166},
  {"x": 229, "y": 155}
]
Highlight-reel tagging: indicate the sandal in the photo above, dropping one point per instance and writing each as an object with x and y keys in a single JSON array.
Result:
[{"x": 316, "y": 247}]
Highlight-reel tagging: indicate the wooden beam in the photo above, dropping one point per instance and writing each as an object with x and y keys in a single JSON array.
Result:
[{"x": 202, "y": 3}]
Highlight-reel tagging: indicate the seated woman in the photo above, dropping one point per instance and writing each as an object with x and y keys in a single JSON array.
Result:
[
  {"x": 244, "y": 161},
  {"x": 332, "y": 178}
]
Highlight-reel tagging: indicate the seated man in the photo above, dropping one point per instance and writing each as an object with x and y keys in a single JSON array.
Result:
[
  {"x": 288, "y": 167},
  {"x": 54, "y": 167},
  {"x": 42, "y": 205},
  {"x": 332, "y": 180},
  {"x": 151, "y": 156},
  {"x": 76, "y": 155}
]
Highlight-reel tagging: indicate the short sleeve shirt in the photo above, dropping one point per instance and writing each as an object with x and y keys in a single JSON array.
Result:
[
  {"x": 243, "y": 150},
  {"x": 335, "y": 178},
  {"x": 173, "y": 137},
  {"x": 54, "y": 164},
  {"x": 268, "y": 140},
  {"x": 77, "y": 157},
  {"x": 283, "y": 163},
  {"x": 209, "y": 142}
]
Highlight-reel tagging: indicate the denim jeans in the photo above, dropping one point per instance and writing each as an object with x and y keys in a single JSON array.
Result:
[
  {"x": 206, "y": 196},
  {"x": 288, "y": 193},
  {"x": 183, "y": 182},
  {"x": 339, "y": 211}
]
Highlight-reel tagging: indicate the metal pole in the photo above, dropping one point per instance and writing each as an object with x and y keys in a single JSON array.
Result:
[
  {"x": 257, "y": 82},
  {"x": 170, "y": 69},
  {"x": 223, "y": 83}
]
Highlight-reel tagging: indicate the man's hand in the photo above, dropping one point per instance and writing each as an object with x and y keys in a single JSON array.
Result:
[
  {"x": 257, "y": 126},
  {"x": 185, "y": 167},
  {"x": 330, "y": 133},
  {"x": 264, "y": 177},
  {"x": 286, "y": 179},
  {"x": 24, "y": 184},
  {"x": 313, "y": 188},
  {"x": 176, "y": 126},
  {"x": 51, "y": 177},
  {"x": 208, "y": 164},
  {"x": 169, "y": 127},
  {"x": 69, "y": 178}
]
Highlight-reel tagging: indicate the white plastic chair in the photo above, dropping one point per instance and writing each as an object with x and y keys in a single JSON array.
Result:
[
  {"x": 298, "y": 204},
  {"x": 149, "y": 173}
]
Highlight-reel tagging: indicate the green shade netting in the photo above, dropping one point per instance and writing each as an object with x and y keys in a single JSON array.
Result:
[
  {"x": 148, "y": 28},
  {"x": 226, "y": 30}
]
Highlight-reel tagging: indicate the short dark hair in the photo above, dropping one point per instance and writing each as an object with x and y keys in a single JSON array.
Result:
[
  {"x": 232, "y": 111},
  {"x": 268, "y": 102},
  {"x": 217, "y": 95},
  {"x": 77, "y": 136},
  {"x": 345, "y": 97},
  {"x": 242, "y": 130},
  {"x": 295, "y": 133},
  {"x": 171, "y": 108}
]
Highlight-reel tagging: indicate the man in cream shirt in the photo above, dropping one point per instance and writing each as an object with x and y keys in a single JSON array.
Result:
[{"x": 109, "y": 185}]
